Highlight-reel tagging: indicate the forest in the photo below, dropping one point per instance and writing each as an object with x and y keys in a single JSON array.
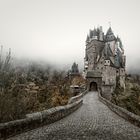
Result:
[{"x": 31, "y": 88}]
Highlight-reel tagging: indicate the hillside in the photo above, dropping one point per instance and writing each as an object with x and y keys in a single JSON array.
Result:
[{"x": 130, "y": 97}]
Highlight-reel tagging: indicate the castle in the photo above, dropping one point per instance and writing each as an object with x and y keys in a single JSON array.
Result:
[
  {"x": 74, "y": 70},
  {"x": 104, "y": 61}
]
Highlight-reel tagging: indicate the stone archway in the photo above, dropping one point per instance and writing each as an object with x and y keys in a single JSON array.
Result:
[{"x": 93, "y": 86}]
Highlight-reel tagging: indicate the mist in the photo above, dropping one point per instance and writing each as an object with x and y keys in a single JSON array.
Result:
[{"x": 55, "y": 31}]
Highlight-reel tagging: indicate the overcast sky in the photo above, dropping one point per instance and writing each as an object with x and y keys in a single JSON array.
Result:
[{"x": 55, "y": 30}]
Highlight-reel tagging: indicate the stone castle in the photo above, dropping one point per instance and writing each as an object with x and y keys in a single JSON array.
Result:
[
  {"x": 74, "y": 71},
  {"x": 104, "y": 61}
]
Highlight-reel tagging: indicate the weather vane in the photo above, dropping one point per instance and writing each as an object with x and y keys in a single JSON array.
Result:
[{"x": 109, "y": 24}]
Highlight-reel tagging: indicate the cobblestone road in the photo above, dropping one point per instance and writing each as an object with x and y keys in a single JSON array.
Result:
[{"x": 92, "y": 121}]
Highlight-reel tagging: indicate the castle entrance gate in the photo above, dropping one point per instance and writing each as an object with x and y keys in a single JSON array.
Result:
[{"x": 93, "y": 86}]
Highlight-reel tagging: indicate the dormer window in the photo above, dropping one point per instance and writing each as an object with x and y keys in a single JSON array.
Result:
[{"x": 107, "y": 62}]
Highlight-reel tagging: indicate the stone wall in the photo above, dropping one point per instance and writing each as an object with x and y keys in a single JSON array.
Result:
[
  {"x": 39, "y": 119},
  {"x": 122, "y": 77},
  {"x": 135, "y": 119},
  {"x": 109, "y": 75},
  {"x": 107, "y": 91},
  {"x": 92, "y": 50},
  {"x": 75, "y": 98}
]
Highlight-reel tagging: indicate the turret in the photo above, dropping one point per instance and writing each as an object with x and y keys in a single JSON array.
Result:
[
  {"x": 110, "y": 35},
  {"x": 120, "y": 45},
  {"x": 101, "y": 34},
  {"x": 95, "y": 34},
  {"x": 74, "y": 68},
  {"x": 88, "y": 39},
  {"x": 90, "y": 33}
]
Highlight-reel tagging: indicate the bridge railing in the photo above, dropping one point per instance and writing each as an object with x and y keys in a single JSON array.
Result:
[
  {"x": 38, "y": 119},
  {"x": 131, "y": 117}
]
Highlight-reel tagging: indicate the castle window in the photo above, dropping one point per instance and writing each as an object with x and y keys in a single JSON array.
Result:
[{"x": 107, "y": 62}]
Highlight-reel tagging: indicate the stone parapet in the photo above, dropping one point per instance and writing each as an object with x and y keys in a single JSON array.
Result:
[
  {"x": 131, "y": 117},
  {"x": 39, "y": 119},
  {"x": 75, "y": 98}
]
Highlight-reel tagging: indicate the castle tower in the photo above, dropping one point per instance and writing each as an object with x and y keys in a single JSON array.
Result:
[
  {"x": 101, "y": 34},
  {"x": 110, "y": 40},
  {"x": 74, "y": 69},
  {"x": 104, "y": 60}
]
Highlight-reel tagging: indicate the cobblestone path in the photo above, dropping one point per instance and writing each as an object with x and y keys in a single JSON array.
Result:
[{"x": 92, "y": 121}]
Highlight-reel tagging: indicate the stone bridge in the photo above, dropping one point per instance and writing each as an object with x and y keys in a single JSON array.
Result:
[{"x": 92, "y": 121}]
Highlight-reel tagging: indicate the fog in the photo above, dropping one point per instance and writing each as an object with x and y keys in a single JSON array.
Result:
[{"x": 54, "y": 31}]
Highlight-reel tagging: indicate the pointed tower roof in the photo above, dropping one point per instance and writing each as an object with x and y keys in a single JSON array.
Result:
[
  {"x": 87, "y": 40},
  {"x": 95, "y": 33},
  {"x": 110, "y": 35},
  {"x": 74, "y": 68},
  {"x": 109, "y": 31},
  {"x": 90, "y": 33},
  {"x": 119, "y": 40}
]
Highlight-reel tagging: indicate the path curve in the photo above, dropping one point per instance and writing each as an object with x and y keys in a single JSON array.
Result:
[{"x": 92, "y": 121}]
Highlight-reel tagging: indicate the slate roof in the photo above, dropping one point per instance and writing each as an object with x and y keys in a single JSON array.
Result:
[
  {"x": 90, "y": 33},
  {"x": 110, "y": 35},
  {"x": 95, "y": 33},
  {"x": 109, "y": 31},
  {"x": 87, "y": 38},
  {"x": 116, "y": 60}
]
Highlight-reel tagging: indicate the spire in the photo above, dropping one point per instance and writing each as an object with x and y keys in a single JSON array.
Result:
[
  {"x": 90, "y": 33},
  {"x": 120, "y": 42},
  {"x": 74, "y": 68},
  {"x": 110, "y": 35},
  {"x": 109, "y": 31},
  {"x": 95, "y": 32},
  {"x": 109, "y": 24},
  {"x": 87, "y": 40}
]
